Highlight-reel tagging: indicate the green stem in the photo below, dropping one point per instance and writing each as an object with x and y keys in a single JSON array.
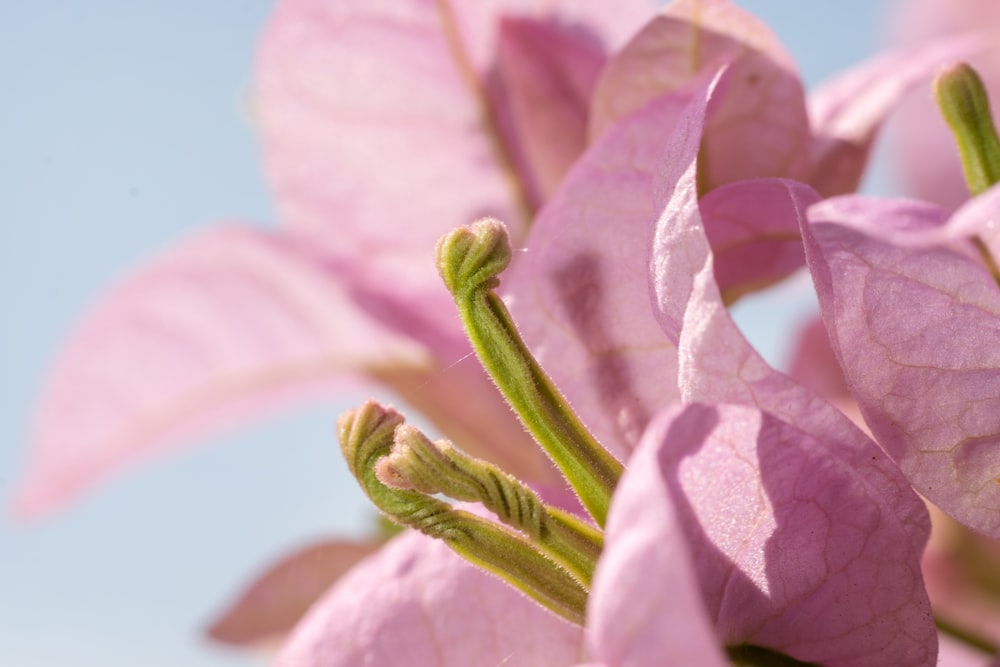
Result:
[
  {"x": 437, "y": 467},
  {"x": 366, "y": 436},
  {"x": 963, "y": 101},
  {"x": 470, "y": 259}
]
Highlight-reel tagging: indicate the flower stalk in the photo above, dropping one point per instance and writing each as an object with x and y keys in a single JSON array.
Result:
[
  {"x": 965, "y": 105},
  {"x": 469, "y": 260},
  {"x": 366, "y": 436},
  {"x": 437, "y": 467}
]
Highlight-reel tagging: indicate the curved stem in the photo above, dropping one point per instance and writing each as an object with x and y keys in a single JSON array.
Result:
[
  {"x": 437, "y": 467},
  {"x": 469, "y": 259},
  {"x": 366, "y": 436}
]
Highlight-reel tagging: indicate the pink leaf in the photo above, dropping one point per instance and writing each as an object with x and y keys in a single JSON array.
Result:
[
  {"x": 580, "y": 298},
  {"x": 793, "y": 548},
  {"x": 753, "y": 227},
  {"x": 280, "y": 596},
  {"x": 646, "y": 601},
  {"x": 717, "y": 364},
  {"x": 548, "y": 72},
  {"x": 847, "y": 112},
  {"x": 579, "y": 290},
  {"x": 758, "y": 127},
  {"x": 381, "y": 130},
  {"x": 716, "y": 361},
  {"x": 418, "y": 603},
  {"x": 979, "y": 217},
  {"x": 911, "y": 326},
  {"x": 229, "y": 326}
]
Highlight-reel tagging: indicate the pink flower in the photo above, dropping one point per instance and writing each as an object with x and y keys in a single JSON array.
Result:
[
  {"x": 569, "y": 292},
  {"x": 363, "y": 110},
  {"x": 793, "y": 588},
  {"x": 239, "y": 321},
  {"x": 762, "y": 518},
  {"x": 385, "y": 125}
]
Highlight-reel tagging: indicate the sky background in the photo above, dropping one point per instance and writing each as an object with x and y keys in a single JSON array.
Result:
[{"x": 124, "y": 127}]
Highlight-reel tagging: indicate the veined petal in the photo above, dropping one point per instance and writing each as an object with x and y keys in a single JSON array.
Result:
[
  {"x": 578, "y": 292},
  {"x": 846, "y": 112},
  {"x": 753, "y": 228},
  {"x": 548, "y": 72},
  {"x": 418, "y": 603},
  {"x": 366, "y": 108},
  {"x": 913, "y": 327},
  {"x": 230, "y": 325},
  {"x": 381, "y": 129},
  {"x": 757, "y": 128},
  {"x": 646, "y": 601},
  {"x": 900, "y": 221},
  {"x": 718, "y": 365},
  {"x": 789, "y": 543},
  {"x": 979, "y": 217}
]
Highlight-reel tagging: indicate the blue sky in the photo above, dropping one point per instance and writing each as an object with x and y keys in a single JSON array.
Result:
[{"x": 124, "y": 127}]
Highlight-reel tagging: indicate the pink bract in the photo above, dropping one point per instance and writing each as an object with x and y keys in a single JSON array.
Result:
[
  {"x": 910, "y": 319},
  {"x": 236, "y": 324},
  {"x": 774, "y": 520},
  {"x": 418, "y": 603},
  {"x": 770, "y": 521},
  {"x": 790, "y": 547}
]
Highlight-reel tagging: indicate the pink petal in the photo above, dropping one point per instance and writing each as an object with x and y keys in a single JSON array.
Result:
[
  {"x": 847, "y": 112},
  {"x": 753, "y": 227},
  {"x": 979, "y": 217},
  {"x": 911, "y": 327},
  {"x": 580, "y": 297},
  {"x": 717, "y": 364},
  {"x": 899, "y": 221},
  {"x": 417, "y": 603},
  {"x": 379, "y": 125},
  {"x": 646, "y": 602},
  {"x": 793, "y": 547},
  {"x": 578, "y": 292},
  {"x": 758, "y": 127},
  {"x": 548, "y": 71},
  {"x": 227, "y": 327},
  {"x": 280, "y": 596}
]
